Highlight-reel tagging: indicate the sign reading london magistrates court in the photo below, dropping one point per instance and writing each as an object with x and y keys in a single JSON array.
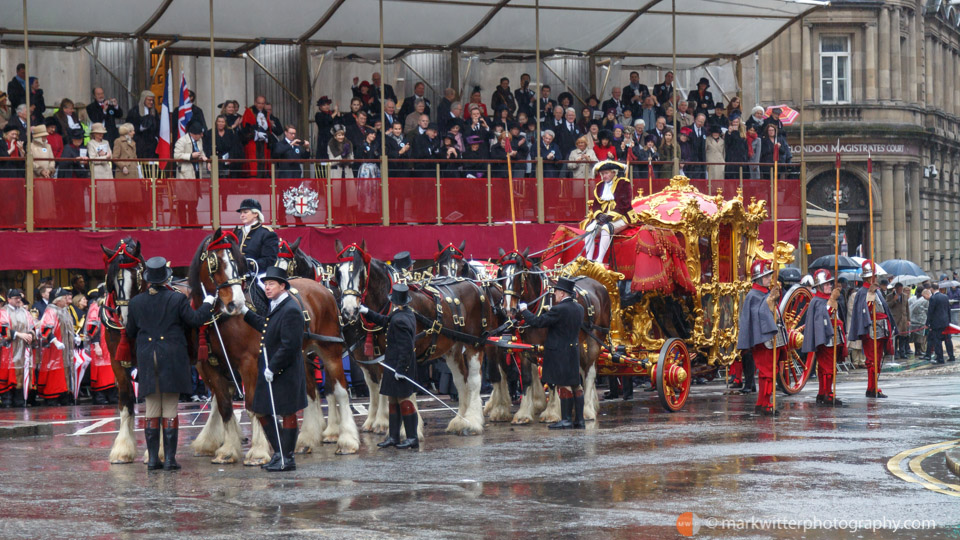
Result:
[{"x": 864, "y": 148}]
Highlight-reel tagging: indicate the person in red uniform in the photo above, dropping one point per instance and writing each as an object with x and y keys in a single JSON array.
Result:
[
  {"x": 759, "y": 329},
  {"x": 823, "y": 335},
  {"x": 255, "y": 133},
  {"x": 58, "y": 340},
  {"x": 103, "y": 385},
  {"x": 872, "y": 323}
]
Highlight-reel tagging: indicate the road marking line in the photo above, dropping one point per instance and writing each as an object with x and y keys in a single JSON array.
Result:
[
  {"x": 893, "y": 465},
  {"x": 91, "y": 427},
  {"x": 359, "y": 408}
]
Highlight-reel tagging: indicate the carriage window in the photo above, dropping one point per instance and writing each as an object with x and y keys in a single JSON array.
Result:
[
  {"x": 706, "y": 261},
  {"x": 725, "y": 246}
]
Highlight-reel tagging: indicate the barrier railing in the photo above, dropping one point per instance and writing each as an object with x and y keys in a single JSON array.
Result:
[{"x": 327, "y": 194}]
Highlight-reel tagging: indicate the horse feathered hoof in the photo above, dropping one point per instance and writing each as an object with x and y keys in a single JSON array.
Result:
[{"x": 521, "y": 420}]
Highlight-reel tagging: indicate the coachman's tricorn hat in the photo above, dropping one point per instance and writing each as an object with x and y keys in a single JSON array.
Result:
[{"x": 157, "y": 271}]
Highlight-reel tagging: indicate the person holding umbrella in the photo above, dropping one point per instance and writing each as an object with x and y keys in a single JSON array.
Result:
[
  {"x": 155, "y": 328},
  {"x": 281, "y": 389}
]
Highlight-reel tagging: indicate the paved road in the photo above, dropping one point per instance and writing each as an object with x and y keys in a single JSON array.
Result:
[{"x": 630, "y": 476}]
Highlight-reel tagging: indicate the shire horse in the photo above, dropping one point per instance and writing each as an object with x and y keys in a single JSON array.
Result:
[
  {"x": 124, "y": 280},
  {"x": 453, "y": 314},
  {"x": 218, "y": 267},
  {"x": 525, "y": 282}
]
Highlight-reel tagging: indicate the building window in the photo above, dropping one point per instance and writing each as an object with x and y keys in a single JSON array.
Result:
[{"x": 834, "y": 69}]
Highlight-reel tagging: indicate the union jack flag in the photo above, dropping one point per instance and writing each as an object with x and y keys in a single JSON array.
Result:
[{"x": 185, "y": 112}]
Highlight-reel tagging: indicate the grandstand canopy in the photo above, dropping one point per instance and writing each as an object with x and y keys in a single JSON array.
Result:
[{"x": 707, "y": 30}]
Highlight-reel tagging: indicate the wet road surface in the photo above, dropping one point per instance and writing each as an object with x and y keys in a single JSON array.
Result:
[{"x": 630, "y": 475}]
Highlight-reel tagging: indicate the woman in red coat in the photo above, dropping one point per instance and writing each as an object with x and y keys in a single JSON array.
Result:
[{"x": 612, "y": 210}]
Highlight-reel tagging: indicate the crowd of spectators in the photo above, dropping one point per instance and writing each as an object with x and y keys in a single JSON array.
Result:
[{"x": 472, "y": 139}]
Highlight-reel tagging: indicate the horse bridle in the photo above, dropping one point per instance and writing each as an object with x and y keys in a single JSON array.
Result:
[
  {"x": 523, "y": 266},
  {"x": 454, "y": 253},
  {"x": 223, "y": 242},
  {"x": 350, "y": 254},
  {"x": 116, "y": 299},
  {"x": 287, "y": 253}
]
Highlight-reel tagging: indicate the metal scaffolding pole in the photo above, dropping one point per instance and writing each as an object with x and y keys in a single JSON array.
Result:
[
  {"x": 539, "y": 129},
  {"x": 214, "y": 168},
  {"x": 384, "y": 173},
  {"x": 26, "y": 144}
]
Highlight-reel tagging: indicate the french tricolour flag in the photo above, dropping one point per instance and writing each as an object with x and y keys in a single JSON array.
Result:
[
  {"x": 164, "y": 145},
  {"x": 185, "y": 112}
]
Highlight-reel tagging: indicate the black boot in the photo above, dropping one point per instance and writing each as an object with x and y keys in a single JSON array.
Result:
[
  {"x": 100, "y": 398},
  {"x": 410, "y": 426},
  {"x": 288, "y": 437},
  {"x": 151, "y": 432},
  {"x": 566, "y": 406},
  {"x": 270, "y": 432},
  {"x": 6, "y": 399},
  {"x": 18, "y": 398},
  {"x": 578, "y": 422},
  {"x": 171, "y": 434},
  {"x": 393, "y": 437}
]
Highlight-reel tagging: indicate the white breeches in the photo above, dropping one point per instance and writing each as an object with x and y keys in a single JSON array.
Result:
[{"x": 606, "y": 233}]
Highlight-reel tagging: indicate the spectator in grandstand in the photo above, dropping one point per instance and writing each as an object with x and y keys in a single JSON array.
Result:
[
  {"x": 231, "y": 110},
  {"x": 450, "y": 154},
  {"x": 426, "y": 146},
  {"x": 146, "y": 122},
  {"x": 53, "y": 136},
  {"x": 476, "y": 151},
  {"x": 663, "y": 91},
  {"x": 635, "y": 93},
  {"x": 593, "y": 134},
  {"x": 43, "y": 164},
  {"x": 125, "y": 149},
  {"x": 586, "y": 116},
  {"x": 340, "y": 148},
  {"x": 66, "y": 117},
  {"x": 564, "y": 100},
  {"x": 228, "y": 147},
  {"x": 774, "y": 119},
  {"x": 99, "y": 152},
  {"x": 753, "y": 151},
  {"x": 773, "y": 140},
  {"x": 734, "y": 107},
  {"x": 276, "y": 126},
  {"x": 518, "y": 140},
  {"x": 325, "y": 118},
  {"x": 357, "y": 131},
  {"x": 688, "y": 152},
  {"x": 605, "y": 149},
  {"x": 756, "y": 118},
  {"x": 476, "y": 99},
  {"x": 525, "y": 97},
  {"x": 196, "y": 113},
  {"x": 550, "y": 153},
  {"x": 477, "y": 123},
  {"x": 698, "y": 142},
  {"x": 289, "y": 147},
  {"x": 581, "y": 160},
  {"x": 684, "y": 118},
  {"x": 414, "y": 119},
  {"x": 627, "y": 119},
  {"x": 615, "y": 102},
  {"x": 617, "y": 135},
  {"x": 609, "y": 120},
  {"x": 367, "y": 99},
  {"x": 650, "y": 111},
  {"x": 736, "y": 150},
  {"x": 667, "y": 151},
  {"x": 668, "y": 113},
  {"x": 397, "y": 148},
  {"x": 658, "y": 130},
  {"x": 71, "y": 150},
  {"x": 20, "y": 121},
  {"x": 504, "y": 96},
  {"x": 501, "y": 117},
  {"x": 390, "y": 112},
  {"x": 718, "y": 117},
  {"x": 546, "y": 104},
  {"x": 11, "y": 147},
  {"x": 17, "y": 87},
  {"x": 645, "y": 154},
  {"x": 568, "y": 132},
  {"x": 409, "y": 102},
  {"x": 701, "y": 97},
  {"x": 443, "y": 109},
  {"x": 5, "y": 110},
  {"x": 715, "y": 152},
  {"x": 105, "y": 111},
  {"x": 626, "y": 145},
  {"x": 499, "y": 153},
  {"x": 452, "y": 117},
  {"x": 375, "y": 82}
]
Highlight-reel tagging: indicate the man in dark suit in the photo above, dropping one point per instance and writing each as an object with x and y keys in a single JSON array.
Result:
[
  {"x": 426, "y": 146},
  {"x": 616, "y": 102},
  {"x": 18, "y": 120},
  {"x": 699, "y": 141},
  {"x": 561, "y": 351},
  {"x": 281, "y": 388},
  {"x": 17, "y": 88},
  {"x": 106, "y": 111},
  {"x": 938, "y": 318},
  {"x": 290, "y": 147},
  {"x": 401, "y": 327},
  {"x": 568, "y": 133},
  {"x": 375, "y": 88},
  {"x": 664, "y": 91},
  {"x": 443, "y": 109},
  {"x": 546, "y": 105},
  {"x": 410, "y": 101},
  {"x": 702, "y": 97},
  {"x": 524, "y": 96},
  {"x": 634, "y": 93},
  {"x": 156, "y": 323}
]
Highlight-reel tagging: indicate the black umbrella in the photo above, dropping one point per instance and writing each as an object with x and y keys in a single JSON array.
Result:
[
  {"x": 830, "y": 262},
  {"x": 902, "y": 267}
]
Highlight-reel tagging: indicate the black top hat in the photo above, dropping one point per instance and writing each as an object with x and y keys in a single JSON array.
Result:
[
  {"x": 250, "y": 204},
  {"x": 276, "y": 273},
  {"x": 195, "y": 128},
  {"x": 402, "y": 261},
  {"x": 157, "y": 270},
  {"x": 400, "y": 295},
  {"x": 75, "y": 134},
  {"x": 565, "y": 285},
  {"x": 58, "y": 292},
  {"x": 13, "y": 293},
  {"x": 433, "y": 126},
  {"x": 715, "y": 129},
  {"x": 703, "y": 80}
]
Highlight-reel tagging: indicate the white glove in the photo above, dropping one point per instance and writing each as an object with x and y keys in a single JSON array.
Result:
[
  {"x": 244, "y": 309},
  {"x": 77, "y": 341},
  {"x": 56, "y": 343},
  {"x": 268, "y": 375},
  {"x": 364, "y": 309},
  {"x": 522, "y": 306},
  {"x": 209, "y": 299}
]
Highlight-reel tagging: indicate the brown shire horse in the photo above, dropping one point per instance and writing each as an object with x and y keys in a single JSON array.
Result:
[
  {"x": 523, "y": 281},
  {"x": 219, "y": 266},
  {"x": 124, "y": 280},
  {"x": 448, "y": 303}
]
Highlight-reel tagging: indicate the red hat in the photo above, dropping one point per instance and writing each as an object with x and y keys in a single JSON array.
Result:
[
  {"x": 822, "y": 277},
  {"x": 760, "y": 269}
]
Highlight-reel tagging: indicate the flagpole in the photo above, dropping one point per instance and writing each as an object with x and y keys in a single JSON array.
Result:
[
  {"x": 513, "y": 212},
  {"x": 873, "y": 308},
  {"x": 836, "y": 269}
]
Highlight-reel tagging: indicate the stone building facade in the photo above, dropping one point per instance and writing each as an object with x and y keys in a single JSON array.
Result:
[{"x": 883, "y": 78}]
